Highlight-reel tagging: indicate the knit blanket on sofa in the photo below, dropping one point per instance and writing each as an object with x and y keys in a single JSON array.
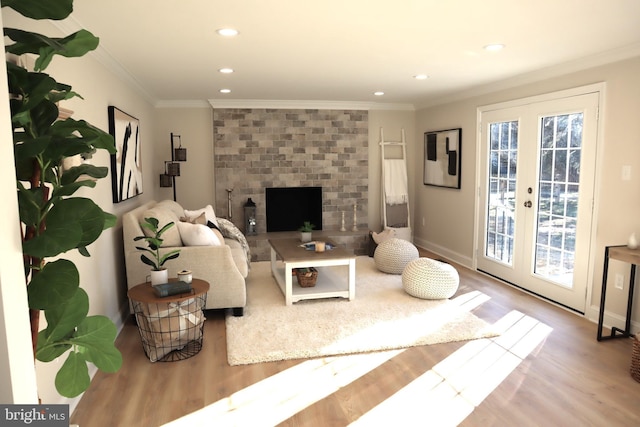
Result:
[{"x": 230, "y": 231}]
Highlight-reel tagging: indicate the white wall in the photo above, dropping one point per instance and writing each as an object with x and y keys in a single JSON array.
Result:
[
  {"x": 195, "y": 186},
  {"x": 450, "y": 213}
]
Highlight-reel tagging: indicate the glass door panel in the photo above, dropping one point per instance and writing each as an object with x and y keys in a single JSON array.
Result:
[
  {"x": 500, "y": 226},
  {"x": 558, "y": 193}
]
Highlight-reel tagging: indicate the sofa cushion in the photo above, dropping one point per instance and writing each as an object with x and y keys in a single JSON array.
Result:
[
  {"x": 239, "y": 256},
  {"x": 197, "y": 235},
  {"x": 202, "y": 219},
  {"x": 208, "y": 211},
  {"x": 174, "y": 207},
  {"x": 171, "y": 237}
]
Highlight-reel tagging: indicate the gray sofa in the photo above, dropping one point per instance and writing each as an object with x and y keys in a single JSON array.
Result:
[{"x": 224, "y": 266}]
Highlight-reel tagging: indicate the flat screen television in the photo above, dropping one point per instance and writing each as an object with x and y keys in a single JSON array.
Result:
[{"x": 287, "y": 208}]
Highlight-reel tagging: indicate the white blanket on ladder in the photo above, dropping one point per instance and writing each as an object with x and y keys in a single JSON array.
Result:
[{"x": 395, "y": 182}]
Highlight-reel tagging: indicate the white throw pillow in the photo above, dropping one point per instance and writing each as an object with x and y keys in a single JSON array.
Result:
[
  {"x": 202, "y": 219},
  {"x": 384, "y": 235},
  {"x": 197, "y": 235},
  {"x": 208, "y": 213}
]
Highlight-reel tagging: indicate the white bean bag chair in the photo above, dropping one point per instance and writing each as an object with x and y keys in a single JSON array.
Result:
[
  {"x": 391, "y": 256},
  {"x": 430, "y": 279}
]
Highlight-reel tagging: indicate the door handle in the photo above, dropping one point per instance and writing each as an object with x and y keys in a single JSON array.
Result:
[{"x": 528, "y": 204}]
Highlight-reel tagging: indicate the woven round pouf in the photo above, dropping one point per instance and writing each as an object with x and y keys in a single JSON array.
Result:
[
  {"x": 427, "y": 278},
  {"x": 392, "y": 256}
]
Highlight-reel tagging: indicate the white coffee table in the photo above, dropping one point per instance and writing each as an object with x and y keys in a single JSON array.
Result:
[{"x": 329, "y": 284}]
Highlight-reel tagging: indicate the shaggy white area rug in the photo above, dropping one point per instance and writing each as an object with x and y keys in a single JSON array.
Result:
[{"x": 381, "y": 317}]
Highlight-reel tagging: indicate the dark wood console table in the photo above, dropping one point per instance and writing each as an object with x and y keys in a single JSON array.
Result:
[{"x": 631, "y": 256}]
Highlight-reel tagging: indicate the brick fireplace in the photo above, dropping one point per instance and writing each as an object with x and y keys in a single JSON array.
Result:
[{"x": 259, "y": 148}]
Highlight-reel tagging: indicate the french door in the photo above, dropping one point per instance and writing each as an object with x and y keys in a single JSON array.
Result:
[{"x": 536, "y": 196}]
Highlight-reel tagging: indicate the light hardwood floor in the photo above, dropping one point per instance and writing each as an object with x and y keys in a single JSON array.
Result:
[{"x": 568, "y": 379}]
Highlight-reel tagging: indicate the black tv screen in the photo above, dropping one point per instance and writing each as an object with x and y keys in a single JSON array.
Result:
[{"x": 288, "y": 208}]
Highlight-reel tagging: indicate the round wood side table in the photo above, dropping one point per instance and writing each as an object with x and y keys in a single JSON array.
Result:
[{"x": 171, "y": 327}]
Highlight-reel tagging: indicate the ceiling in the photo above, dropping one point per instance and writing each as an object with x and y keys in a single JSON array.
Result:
[{"x": 344, "y": 50}]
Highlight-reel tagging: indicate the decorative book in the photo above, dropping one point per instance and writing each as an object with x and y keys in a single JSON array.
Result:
[{"x": 171, "y": 288}]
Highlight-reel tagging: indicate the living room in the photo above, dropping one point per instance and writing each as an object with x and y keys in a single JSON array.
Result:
[{"x": 444, "y": 220}]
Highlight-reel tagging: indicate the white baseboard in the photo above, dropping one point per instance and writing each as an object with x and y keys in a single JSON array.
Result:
[
  {"x": 610, "y": 319},
  {"x": 444, "y": 252}
]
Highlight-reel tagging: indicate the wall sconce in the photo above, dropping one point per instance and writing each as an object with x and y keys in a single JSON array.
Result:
[
  {"x": 166, "y": 180},
  {"x": 172, "y": 167},
  {"x": 179, "y": 154}
]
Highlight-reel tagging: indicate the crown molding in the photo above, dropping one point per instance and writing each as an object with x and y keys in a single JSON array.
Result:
[
  {"x": 585, "y": 63},
  {"x": 183, "y": 103},
  {"x": 302, "y": 104}
]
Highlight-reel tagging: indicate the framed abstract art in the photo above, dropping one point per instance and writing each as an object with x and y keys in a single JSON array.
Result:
[
  {"x": 126, "y": 164},
  {"x": 442, "y": 159}
]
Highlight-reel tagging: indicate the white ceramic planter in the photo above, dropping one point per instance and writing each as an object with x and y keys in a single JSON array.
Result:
[
  {"x": 159, "y": 277},
  {"x": 305, "y": 236}
]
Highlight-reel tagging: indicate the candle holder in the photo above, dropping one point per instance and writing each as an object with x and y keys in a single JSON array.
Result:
[{"x": 355, "y": 218}]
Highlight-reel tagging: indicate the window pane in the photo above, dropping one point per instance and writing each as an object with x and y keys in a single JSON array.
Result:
[
  {"x": 504, "y": 136},
  {"x": 546, "y": 164},
  {"x": 576, "y": 130},
  {"x": 574, "y": 165},
  {"x": 494, "y": 138},
  {"x": 561, "y": 131},
  {"x": 560, "y": 165},
  {"x": 514, "y": 136}
]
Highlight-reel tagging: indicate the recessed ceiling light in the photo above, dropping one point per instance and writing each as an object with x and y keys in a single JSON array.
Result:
[
  {"x": 226, "y": 70},
  {"x": 225, "y": 90},
  {"x": 378, "y": 93},
  {"x": 494, "y": 47},
  {"x": 421, "y": 77},
  {"x": 227, "y": 32}
]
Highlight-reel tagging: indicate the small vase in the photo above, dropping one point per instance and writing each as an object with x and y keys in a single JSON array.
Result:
[
  {"x": 632, "y": 243},
  {"x": 185, "y": 276},
  {"x": 305, "y": 236},
  {"x": 159, "y": 277}
]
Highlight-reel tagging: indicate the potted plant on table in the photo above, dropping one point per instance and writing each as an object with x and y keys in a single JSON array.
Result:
[
  {"x": 305, "y": 231},
  {"x": 159, "y": 274}
]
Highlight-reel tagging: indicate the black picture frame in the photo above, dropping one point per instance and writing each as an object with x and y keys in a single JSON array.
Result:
[
  {"x": 442, "y": 158},
  {"x": 126, "y": 163}
]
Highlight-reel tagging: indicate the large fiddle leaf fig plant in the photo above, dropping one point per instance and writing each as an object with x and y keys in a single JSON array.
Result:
[{"x": 53, "y": 220}]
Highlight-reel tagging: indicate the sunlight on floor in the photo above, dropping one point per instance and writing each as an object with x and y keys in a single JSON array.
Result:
[
  {"x": 280, "y": 396},
  {"x": 449, "y": 392},
  {"x": 403, "y": 329},
  {"x": 443, "y": 396}
]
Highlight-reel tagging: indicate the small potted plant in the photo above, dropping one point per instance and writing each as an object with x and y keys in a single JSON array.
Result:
[
  {"x": 159, "y": 274},
  {"x": 305, "y": 231}
]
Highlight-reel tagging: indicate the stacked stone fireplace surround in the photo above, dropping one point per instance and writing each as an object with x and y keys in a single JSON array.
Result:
[{"x": 259, "y": 148}]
